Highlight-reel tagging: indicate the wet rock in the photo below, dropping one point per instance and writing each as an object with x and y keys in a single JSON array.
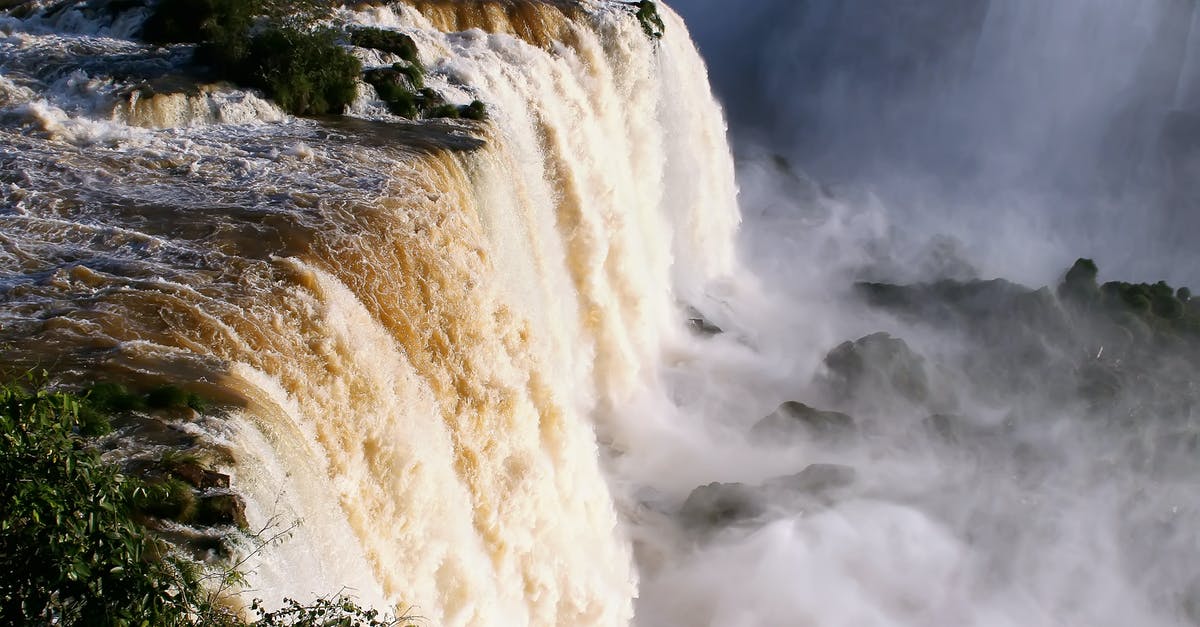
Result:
[
  {"x": 816, "y": 479},
  {"x": 721, "y": 504},
  {"x": 701, "y": 325},
  {"x": 221, "y": 509},
  {"x": 717, "y": 505},
  {"x": 200, "y": 477},
  {"x": 877, "y": 363},
  {"x": 794, "y": 420}
]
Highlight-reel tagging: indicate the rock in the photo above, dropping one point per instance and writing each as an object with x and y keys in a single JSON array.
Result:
[
  {"x": 876, "y": 363},
  {"x": 200, "y": 477},
  {"x": 794, "y": 419},
  {"x": 721, "y": 504},
  {"x": 718, "y": 505},
  {"x": 221, "y": 509},
  {"x": 701, "y": 325},
  {"x": 816, "y": 479}
]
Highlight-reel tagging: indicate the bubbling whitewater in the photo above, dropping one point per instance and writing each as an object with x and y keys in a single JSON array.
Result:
[{"x": 421, "y": 331}]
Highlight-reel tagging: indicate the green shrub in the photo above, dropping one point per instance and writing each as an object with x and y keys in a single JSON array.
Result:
[
  {"x": 199, "y": 21},
  {"x": 73, "y": 547},
  {"x": 443, "y": 111},
  {"x": 70, "y": 551},
  {"x": 305, "y": 73},
  {"x": 647, "y": 15},
  {"x": 113, "y": 397},
  {"x": 389, "y": 84},
  {"x": 172, "y": 397},
  {"x": 475, "y": 111}
]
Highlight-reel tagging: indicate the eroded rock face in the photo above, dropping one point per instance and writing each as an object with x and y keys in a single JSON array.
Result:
[
  {"x": 795, "y": 420},
  {"x": 720, "y": 505},
  {"x": 875, "y": 364}
]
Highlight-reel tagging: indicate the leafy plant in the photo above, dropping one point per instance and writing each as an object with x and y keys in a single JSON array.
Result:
[
  {"x": 70, "y": 550},
  {"x": 74, "y": 549}
]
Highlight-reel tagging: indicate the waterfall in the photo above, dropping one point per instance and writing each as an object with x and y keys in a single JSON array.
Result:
[{"x": 424, "y": 339}]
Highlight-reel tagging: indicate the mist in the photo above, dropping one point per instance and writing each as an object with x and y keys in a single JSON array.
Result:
[
  {"x": 910, "y": 418},
  {"x": 1051, "y": 130}
]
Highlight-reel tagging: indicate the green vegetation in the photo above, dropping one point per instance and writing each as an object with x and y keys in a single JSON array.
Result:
[
  {"x": 274, "y": 46},
  {"x": 401, "y": 88},
  {"x": 647, "y": 15},
  {"x": 388, "y": 41},
  {"x": 1160, "y": 306},
  {"x": 78, "y": 545},
  {"x": 70, "y": 549},
  {"x": 305, "y": 72},
  {"x": 301, "y": 68}
]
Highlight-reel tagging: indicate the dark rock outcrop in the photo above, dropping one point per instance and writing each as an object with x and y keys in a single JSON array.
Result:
[
  {"x": 718, "y": 505},
  {"x": 875, "y": 364},
  {"x": 794, "y": 420}
]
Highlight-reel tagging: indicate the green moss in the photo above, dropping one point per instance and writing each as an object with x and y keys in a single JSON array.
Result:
[
  {"x": 443, "y": 111},
  {"x": 474, "y": 111},
  {"x": 113, "y": 397},
  {"x": 388, "y": 41},
  {"x": 647, "y": 15},
  {"x": 392, "y": 88},
  {"x": 171, "y": 499}
]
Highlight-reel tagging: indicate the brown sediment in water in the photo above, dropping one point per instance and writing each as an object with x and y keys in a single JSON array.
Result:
[{"x": 539, "y": 23}]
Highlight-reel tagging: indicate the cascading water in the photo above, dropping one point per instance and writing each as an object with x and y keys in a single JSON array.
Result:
[
  {"x": 460, "y": 353},
  {"x": 423, "y": 331}
]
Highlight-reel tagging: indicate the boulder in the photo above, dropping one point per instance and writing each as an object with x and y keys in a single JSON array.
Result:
[
  {"x": 200, "y": 477},
  {"x": 816, "y": 479},
  {"x": 877, "y": 363},
  {"x": 700, "y": 325},
  {"x": 718, "y": 505},
  {"x": 221, "y": 509},
  {"x": 794, "y": 420}
]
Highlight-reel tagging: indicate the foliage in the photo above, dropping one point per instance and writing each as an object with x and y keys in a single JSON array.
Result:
[
  {"x": 74, "y": 546},
  {"x": 70, "y": 549},
  {"x": 172, "y": 397},
  {"x": 302, "y": 69},
  {"x": 323, "y": 612},
  {"x": 405, "y": 97},
  {"x": 199, "y": 21},
  {"x": 389, "y": 41},
  {"x": 306, "y": 73},
  {"x": 474, "y": 111},
  {"x": 647, "y": 15},
  {"x": 1161, "y": 306}
]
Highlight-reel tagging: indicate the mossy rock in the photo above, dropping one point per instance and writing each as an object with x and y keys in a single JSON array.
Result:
[
  {"x": 720, "y": 504},
  {"x": 221, "y": 509},
  {"x": 388, "y": 41},
  {"x": 173, "y": 397},
  {"x": 169, "y": 499},
  {"x": 647, "y": 15}
]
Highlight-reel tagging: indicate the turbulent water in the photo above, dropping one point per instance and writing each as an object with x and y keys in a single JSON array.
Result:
[
  {"x": 477, "y": 361},
  {"x": 425, "y": 326}
]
